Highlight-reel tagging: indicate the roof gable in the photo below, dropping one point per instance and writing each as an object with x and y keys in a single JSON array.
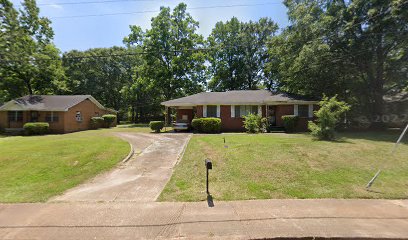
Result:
[{"x": 47, "y": 102}]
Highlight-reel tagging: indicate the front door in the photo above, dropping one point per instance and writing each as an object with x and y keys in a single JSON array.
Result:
[
  {"x": 272, "y": 115},
  {"x": 34, "y": 116}
]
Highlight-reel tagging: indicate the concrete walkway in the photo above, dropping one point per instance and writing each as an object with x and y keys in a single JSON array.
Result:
[
  {"x": 120, "y": 205},
  {"x": 142, "y": 178},
  {"x": 226, "y": 220}
]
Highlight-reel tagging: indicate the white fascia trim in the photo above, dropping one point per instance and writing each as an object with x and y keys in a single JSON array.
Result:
[{"x": 292, "y": 102}]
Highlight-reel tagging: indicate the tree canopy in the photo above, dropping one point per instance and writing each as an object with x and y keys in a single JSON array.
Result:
[{"x": 355, "y": 49}]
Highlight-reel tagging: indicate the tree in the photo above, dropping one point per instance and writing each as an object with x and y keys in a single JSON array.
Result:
[
  {"x": 355, "y": 49},
  {"x": 30, "y": 63},
  {"x": 172, "y": 60},
  {"x": 105, "y": 73},
  {"x": 238, "y": 54},
  {"x": 328, "y": 116}
]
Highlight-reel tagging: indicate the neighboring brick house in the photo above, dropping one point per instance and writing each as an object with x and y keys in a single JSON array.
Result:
[
  {"x": 232, "y": 105},
  {"x": 63, "y": 113}
]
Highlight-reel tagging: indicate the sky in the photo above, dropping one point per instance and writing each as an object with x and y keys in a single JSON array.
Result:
[{"x": 74, "y": 28}]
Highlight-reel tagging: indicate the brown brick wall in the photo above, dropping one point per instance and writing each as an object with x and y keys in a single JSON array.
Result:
[
  {"x": 55, "y": 127},
  {"x": 199, "y": 111},
  {"x": 228, "y": 123},
  {"x": 181, "y": 112},
  {"x": 282, "y": 110},
  {"x": 88, "y": 110},
  {"x": 236, "y": 124},
  {"x": 3, "y": 119}
]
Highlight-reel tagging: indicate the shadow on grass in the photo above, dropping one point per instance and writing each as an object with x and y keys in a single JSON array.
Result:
[
  {"x": 134, "y": 125},
  {"x": 382, "y": 136}
]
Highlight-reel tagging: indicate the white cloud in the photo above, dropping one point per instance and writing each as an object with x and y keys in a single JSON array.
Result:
[{"x": 56, "y": 6}]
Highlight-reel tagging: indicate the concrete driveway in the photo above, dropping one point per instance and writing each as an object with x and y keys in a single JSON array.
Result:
[{"x": 140, "y": 179}]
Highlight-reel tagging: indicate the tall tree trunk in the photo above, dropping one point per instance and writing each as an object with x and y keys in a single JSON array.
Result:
[
  {"x": 133, "y": 115},
  {"x": 29, "y": 87},
  {"x": 378, "y": 87}
]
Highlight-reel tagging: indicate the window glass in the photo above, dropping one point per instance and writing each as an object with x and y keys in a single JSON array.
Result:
[
  {"x": 244, "y": 110},
  {"x": 15, "y": 116},
  {"x": 303, "y": 110},
  {"x": 78, "y": 116},
  {"x": 34, "y": 117},
  {"x": 51, "y": 117},
  {"x": 211, "y": 111}
]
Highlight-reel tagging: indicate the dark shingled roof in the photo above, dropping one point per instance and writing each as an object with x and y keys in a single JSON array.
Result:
[
  {"x": 239, "y": 97},
  {"x": 50, "y": 102}
]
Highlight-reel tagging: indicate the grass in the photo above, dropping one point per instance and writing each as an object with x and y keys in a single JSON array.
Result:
[
  {"x": 33, "y": 169},
  {"x": 268, "y": 166}
]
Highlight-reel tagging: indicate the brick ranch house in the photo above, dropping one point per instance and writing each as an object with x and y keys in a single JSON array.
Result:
[
  {"x": 64, "y": 113},
  {"x": 232, "y": 105}
]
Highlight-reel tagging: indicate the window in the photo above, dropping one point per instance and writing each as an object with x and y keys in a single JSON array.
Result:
[
  {"x": 211, "y": 111},
  {"x": 34, "y": 116},
  {"x": 15, "y": 116},
  {"x": 303, "y": 110},
  {"x": 78, "y": 116},
  {"x": 244, "y": 110},
  {"x": 51, "y": 117}
]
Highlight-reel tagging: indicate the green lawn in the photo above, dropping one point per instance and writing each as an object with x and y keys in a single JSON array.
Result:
[
  {"x": 290, "y": 166},
  {"x": 33, "y": 169}
]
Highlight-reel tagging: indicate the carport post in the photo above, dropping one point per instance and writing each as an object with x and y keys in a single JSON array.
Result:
[{"x": 165, "y": 118}]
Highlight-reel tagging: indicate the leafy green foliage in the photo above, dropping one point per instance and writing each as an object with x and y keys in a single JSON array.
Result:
[
  {"x": 109, "y": 78},
  {"x": 252, "y": 123},
  {"x": 109, "y": 119},
  {"x": 265, "y": 125},
  {"x": 290, "y": 123},
  {"x": 196, "y": 123},
  {"x": 207, "y": 125},
  {"x": 36, "y": 128},
  {"x": 97, "y": 122},
  {"x": 328, "y": 116},
  {"x": 30, "y": 62},
  {"x": 156, "y": 126},
  {"x": 355, "y": 49},
  {"x": 238, "y": 53}
]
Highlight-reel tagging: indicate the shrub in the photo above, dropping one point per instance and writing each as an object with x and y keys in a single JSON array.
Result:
[
  {"x": 36, "y": 128},
  {"x": 327, "y": 117},
  {"x": 265, "y": 125},
  {"x": 156, "y": 126},
  {"x": 196, "y": 123},
  {"x": 290, "y": 122},
  {"x": 207, "y": 125},
  {"x": 109, "y": 119},
  {"x": 97, "y": 122},
  {"x": 252, "y": 123}
]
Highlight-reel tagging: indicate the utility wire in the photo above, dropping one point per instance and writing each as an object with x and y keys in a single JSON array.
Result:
[
  {"x": 154, "y": 11},
  {"x": 92, "y": 2},
  {"x": 201, "y": 49}
]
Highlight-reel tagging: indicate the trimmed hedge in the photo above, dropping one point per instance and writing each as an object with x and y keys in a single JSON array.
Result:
[
  {"x": 156, "y": 126},
  {"x": 97, "y": 122},
  {"x": 36, "y": 128},
  {"x": 290, "y": 123},
  {"x": 207, "y": 125},
  {"x": 109, "y": 119},
  {"x": 196, "y": 123}
]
